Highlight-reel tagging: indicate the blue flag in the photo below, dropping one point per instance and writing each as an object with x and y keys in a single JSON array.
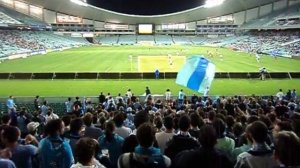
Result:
[{"x": 196, "y": 74}]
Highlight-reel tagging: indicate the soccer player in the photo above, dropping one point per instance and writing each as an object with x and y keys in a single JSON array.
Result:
[{"x": 170, "y": 60}]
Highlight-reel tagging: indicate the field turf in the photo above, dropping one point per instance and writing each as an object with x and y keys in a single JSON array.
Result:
[
  {"x": 94, "y": 87},
  {"x": 116, "y": 59}
]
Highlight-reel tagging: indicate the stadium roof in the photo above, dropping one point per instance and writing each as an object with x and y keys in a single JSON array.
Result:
[{"x": 195, "y": 14}]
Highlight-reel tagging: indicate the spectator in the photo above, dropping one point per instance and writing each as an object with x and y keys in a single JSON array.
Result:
[
  {"x": 75, "y": 133},
  {"x": 168, "y": 95},
  {"x": 112, "y": 142},
  {"x": 165, "y": 136},
  {"x": 22, "y": 123},
  {"x": 36, "y": 103},
  {"x": 51, "y": 115},
  {"x": 121, "y": 130},
  {"x": 4, "y": 161},
  {"x": 260, "y": 155},
  {"x": 144, "y": 154},
  {"x": 10, "y": 104},
  {"x": 131, "y": 142},
  {"x": 85, "y": 151},
  {"x": 101, "y": 98},
  {"x": 147, "y": 91},
  {"x": 44, "y": 108},
  {"x": 196, "y": 123},
  {"x": 22, "y": 155},
  {"x": 54, "y": 151},
  {"x": 69, "y": 106},
  {"x": 183, "y": 140},
  {"x": 5, "y": 119},
  {"x": 280, "y": 95},
  {"x": 181, "y": 95},
  {"x": 224, "y": 143},
  {"x": 205, "y": 156},
  {"x": 90, "y": 130},
  {"x": 287, "y": 149}
]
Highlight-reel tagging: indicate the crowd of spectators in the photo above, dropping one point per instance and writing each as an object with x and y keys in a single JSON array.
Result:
[
  {"x": 123, "y": 131},
  {"x": 268, "y": 42}
]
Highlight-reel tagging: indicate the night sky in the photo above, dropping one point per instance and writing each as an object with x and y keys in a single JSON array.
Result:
[{"x": 146, "y": 7}]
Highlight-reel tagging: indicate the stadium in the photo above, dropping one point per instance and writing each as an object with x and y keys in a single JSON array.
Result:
[{"x": 62, "y": 49}]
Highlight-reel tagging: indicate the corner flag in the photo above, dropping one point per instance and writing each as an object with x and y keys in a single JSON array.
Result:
[{"x": 197, "y": 73}]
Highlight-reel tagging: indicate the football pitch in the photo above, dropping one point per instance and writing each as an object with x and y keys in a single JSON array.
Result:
[{"x": 142, "y": 59}]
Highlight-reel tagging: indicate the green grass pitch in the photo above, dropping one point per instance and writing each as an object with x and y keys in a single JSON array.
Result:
[{"x": 116, "y": 59}]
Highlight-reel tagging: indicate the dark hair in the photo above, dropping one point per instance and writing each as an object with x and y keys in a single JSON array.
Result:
[
  {"x": 219, "y": 126},
  {"x": 5, "y": 119},
  {"x": 140, "y": 118},
  {"x": 237, "y": 129},
  {"x": 10, "y": 134},
  {"x": 158, "y": 122},
  {"x": 285, "y": 126},
  {"x": 266, "y": 120},
  {"x": 66, "y": 119},
  {"x": 211, "y": 115},
  {"x": 88, "y": 119},
  {"x": 258, "y": 131},
  {"x": 195, "y": 120},
  {"x": 76, "y": 125},
  {"x": 85, "y": 150},
  {"x": 287, "y": 148},
  {"x": 109, "y": 130},
  {"x": 252, "y": 119},
  {"x": 53, "y": 126},
  {"x": 119, "y": 119},
  {"x": 229, "y": 121},
  {"x": 207, "y": 136},
  {"x": 145, "y": 135},
  {"x": 168, "y": 122},
  {"x": 184, "y": 123}
]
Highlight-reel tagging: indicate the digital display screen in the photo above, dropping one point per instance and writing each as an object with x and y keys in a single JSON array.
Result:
[{"x": 145, "y": 28}]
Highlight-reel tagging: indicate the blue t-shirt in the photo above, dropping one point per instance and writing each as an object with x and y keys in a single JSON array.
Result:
[
  {"x": 5, "y": 163},
  {"x": 55, "y": 152},
  {"x": 10, "y": 103},
  {"x": 22, "y": 155},
  {"x": 114, "y": 147}
]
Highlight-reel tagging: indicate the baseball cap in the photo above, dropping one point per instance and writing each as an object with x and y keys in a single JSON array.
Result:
[{"x": 32, "y": 126}]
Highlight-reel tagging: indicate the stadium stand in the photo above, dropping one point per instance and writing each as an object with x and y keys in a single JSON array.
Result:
[
  {"x": 108, "y": 40},
  {"x": 22, "y": 18},
  {"x": 163, "y": 40},
  {"x": 181, "y": 40},
  {"x": 127, "y": 40}
]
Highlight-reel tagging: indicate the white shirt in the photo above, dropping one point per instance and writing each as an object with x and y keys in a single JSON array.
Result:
[
  {"x": 96, "y": 164},
  {"x": 123, "y": 131},
  {"x": 51, "y": 117},
  {"x": 168, "y": 95},
  {"x": 280, "y": 95},
  {"x": 129, "y": 94},
  {"x": 162, "y": 138}
]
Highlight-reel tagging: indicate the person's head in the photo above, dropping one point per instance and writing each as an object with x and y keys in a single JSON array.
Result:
[
  {"x": 168, "y": 90},
  {"x": 237, "y": 129},
  {"x": 287, "y": 148},
  {"x": 219, "y": 126},
  {"x": 77, "y": 98},
  {"x": 207, "y": 136},
  {"x": 280, "y": 90},
  {"x": 109, "y": 130},
  {"x": 140, "y": 118},
  {"x": 37, "y": 96},
  {"x": 66, "y": 119},
  {"x": 32, "y": 127},
  {"x": 145, "y": 135},
  {"x": 196, "y": 120},
  {"x": 76, "y": 125},
  {"x": 229, "y": 121},
  {"x": 257, "y": 132},
  {"x": 54, "y": 127},
  {"x": 211, "y": 115},
  {"x": 5, "y": 119},
  {"x": 10, "y": 136},
  {"x": 88, "y": 119},
  {"x": 69, "y": 99},
  {"x": 119, "y": 119},
  {"x": 168, "y": 123},
  {"x": 85, "y": 150},
  {"x": 184, "y": 123},
  {"x": 282, "y": 126}
]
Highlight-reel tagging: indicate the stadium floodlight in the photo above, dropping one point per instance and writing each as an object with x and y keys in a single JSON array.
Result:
[
  {"x": 80, "y": 2},
  {"x": 212, "y": 3}
]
